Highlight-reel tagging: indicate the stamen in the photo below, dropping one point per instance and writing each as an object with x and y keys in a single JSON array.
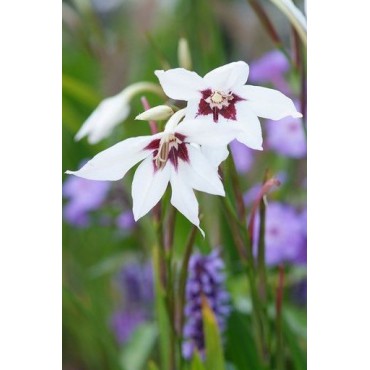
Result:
[
  {"x": 166, "y": 144},
  {"x": 215, "y": 114}
]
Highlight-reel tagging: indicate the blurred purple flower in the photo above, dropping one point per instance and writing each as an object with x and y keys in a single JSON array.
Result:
[
  {"x": 299, "y": 292},
  {"x": 83, "y": 196},
  {"x": 271, "y": 68},
  {"x": 284, "y": 234},
  {"x": 124, "y": 323},
  {"x": 205, "y": 278},
  {"x": 135, "y": 282},
  {"x": 76, "y": 216},
  {"x": 125, "y": 220},
  {"x": 302, "y": 255},
  {"x": 287, "y": 137},
  {"x": 243, "y": 156},
  {"x": 88, "y": 194}
]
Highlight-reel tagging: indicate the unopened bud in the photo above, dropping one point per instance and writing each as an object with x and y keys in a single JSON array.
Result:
[
  {"x": 183, "y": 54},
  {"x": 159, "y": 113}
]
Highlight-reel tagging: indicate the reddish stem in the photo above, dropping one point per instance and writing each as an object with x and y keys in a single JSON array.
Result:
[
  {"x": 153, "y": 124},
  {"x": 270, "y": 183}
]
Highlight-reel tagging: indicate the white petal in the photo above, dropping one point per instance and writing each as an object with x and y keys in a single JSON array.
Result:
[
  {"x": 113, "y": 163},
  {"x": 180, "y": 83},
  {"x": 268, "y": 103},
  {"x": 205, "y": 132},
  {"x": 174, "y": 120},
  {"x": 200, "y": 173},
  {"x": 228, "y": 76},
  {"x": 249, "y": 122},
  {"x": 216, "y": 155},
  {"x": 192, "y": 109},
  {"x": 108, "y": 114},
  {"x": 183, "y": 198},
  {"x": 148, "y": 187}
]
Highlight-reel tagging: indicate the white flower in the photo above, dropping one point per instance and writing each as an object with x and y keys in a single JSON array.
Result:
[
  {"x": 112, "y": 111},
  {"x": 222, "y": 96},
  {"x": 171, "y": 156}
]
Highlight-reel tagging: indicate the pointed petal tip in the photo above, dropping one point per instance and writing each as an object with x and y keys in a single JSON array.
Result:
[
  {"x": 68, "y": 172},
  {"x": 297, "y": 115}
]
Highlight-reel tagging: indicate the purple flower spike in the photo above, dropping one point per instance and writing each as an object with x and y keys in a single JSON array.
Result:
[
  {"x": 205, "y": 279},
  {"x": 271, "y": 68}
]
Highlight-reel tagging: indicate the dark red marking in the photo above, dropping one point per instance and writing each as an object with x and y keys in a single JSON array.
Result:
[
  {"x": 154, "y": 144},
  {"x": 229, "y": 112},
  {"x": 174, "y": 154}
]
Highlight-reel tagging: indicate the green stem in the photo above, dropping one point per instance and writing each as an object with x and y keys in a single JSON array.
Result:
[
  {"x": 183, "y": 276},
  {"x": 182, "y": 286},
  {"x": 241, "y": 241},
  {"x": 261, "y": 266},
  {"x": 279, "y": 329}
]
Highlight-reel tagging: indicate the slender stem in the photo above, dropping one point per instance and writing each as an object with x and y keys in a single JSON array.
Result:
[
  {"x": 243, "y": 243},
  {"x": 170, "y": 231},
  {"x": 296, "y": 50},
  {"x": 239, "y": 243},
  {"x": 168, "y": 241},
  {"x": 264, "y": 19},
  {"x": 181, "y": 289},
  {"x": 183, "y": 276},
  {"x": 279, "y": 331},
  {"x": 242, "y": 213},
  {"x": 269, "y": 27},
  {"x": 261, "y": 266},
  {"x": 153, "y": 124}
]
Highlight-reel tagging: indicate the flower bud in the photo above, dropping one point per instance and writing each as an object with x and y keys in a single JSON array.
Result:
[
  {"x": 113, "y": 110},
  {"x": 160, "y": 112},
  {"x": 183, "y": 54}
]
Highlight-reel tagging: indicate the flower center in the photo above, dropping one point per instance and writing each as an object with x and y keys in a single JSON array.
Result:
[
  {"x": 165, "y": 145},
  {"x": 217, "y": 103},
  {"x": 219, "y": 99}
]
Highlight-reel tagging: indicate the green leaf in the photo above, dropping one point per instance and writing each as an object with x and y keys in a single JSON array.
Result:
[
  {"x": 214, "y": 351},
  {"x": 80, "y": 91},
  {"x": 241, "y": 349},
  {"x": 196, "y": 363},
  {"x": 135, "y": 353},
  {"x": 296, "y": 345},
  {"x": 152, "y": 366}
]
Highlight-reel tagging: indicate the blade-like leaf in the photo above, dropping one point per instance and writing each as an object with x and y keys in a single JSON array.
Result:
[
  {"x": 137, "y": 350},
  {"x": 214, "y": 352},
  {"x": 196, "y": 363}
]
